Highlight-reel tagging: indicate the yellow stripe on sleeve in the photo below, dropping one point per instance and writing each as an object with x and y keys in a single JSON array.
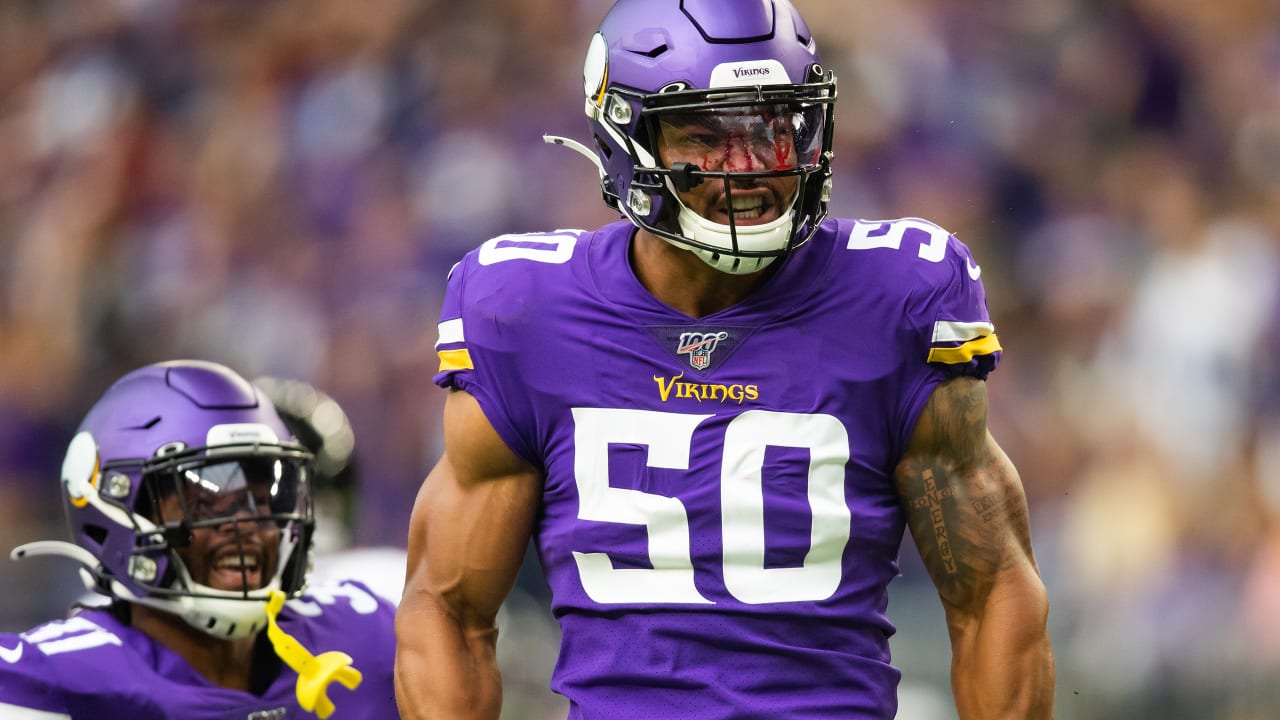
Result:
[
  {"x": 455, "y": 360},
  {"x": 956, "y": 355}
]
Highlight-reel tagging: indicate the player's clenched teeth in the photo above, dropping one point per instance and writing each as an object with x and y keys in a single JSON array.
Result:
[
  {"x": 745, "y": 208},
  {"x": 748, "y": 207}
]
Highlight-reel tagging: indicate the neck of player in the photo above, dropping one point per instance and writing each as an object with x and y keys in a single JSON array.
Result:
[
  {"x": 683, "y": 282},
  {"x": 226, "y": 663}
]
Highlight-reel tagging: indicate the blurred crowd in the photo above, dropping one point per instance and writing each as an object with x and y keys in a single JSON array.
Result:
[{"x": 283, "y": 185}]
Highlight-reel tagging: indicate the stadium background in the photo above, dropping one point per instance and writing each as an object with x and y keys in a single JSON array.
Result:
[{"x": 282, "y": 186}]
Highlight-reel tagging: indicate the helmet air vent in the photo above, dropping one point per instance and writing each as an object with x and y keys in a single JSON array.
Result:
[
  {"x": 603, "y": 146},
  {"x": 649, "y": 42},
  {"x": 97, "y": 533},
  {"x": 654, "y": 52}
]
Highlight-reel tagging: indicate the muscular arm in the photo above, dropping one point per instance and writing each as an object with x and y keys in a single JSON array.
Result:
[
  {"x": 968, "y": 515},
  {"x": 467, "y": 536}
]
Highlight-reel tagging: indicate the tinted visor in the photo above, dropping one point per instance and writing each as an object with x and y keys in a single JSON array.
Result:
[
  {"x": 258, "y": 487},
  {"x": 774, "y": 137},
  {"x": 219, "y": 488}
]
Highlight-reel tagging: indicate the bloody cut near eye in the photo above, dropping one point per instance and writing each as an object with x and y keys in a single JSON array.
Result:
[{"x": 743, "y": 139}]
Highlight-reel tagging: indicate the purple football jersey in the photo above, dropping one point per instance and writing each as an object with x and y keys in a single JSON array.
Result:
[
  {"x": 720, "y": 524},
  {"x": 93, "y": 666}
]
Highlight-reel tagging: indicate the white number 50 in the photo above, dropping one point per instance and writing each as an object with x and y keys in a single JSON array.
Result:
[{"x": 668, "y": 437}]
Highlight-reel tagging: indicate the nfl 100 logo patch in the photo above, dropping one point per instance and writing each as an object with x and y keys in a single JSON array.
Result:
[{"x": 699, "y": 346}]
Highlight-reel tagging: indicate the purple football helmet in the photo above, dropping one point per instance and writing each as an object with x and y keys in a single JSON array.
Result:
[
  {"x": 203, "y": 443},
  {"x": 749, "y": 67}
]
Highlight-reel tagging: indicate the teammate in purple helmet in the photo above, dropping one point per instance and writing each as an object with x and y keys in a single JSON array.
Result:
[
  {"x": 716, "y": 417},
  {"x": 190, "y": 508}
]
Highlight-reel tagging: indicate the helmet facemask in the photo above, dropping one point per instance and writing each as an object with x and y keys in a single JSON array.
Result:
[
  {"x": 217, "y": 529},
  {"x": 729, "y": 162},
  {"x": 738, "y": 145}
]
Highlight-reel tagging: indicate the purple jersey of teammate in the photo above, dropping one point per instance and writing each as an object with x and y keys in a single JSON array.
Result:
[
  {"x": 93, "y": 666},
  {"x": 719, "y": 523}
]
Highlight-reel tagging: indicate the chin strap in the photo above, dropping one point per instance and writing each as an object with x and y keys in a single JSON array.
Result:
[{"x": 315, "y": 672}]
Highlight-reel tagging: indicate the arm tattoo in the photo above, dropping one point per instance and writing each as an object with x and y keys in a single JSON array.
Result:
[
  {"x": 963, "y": 499},
  {"x": 932, "y": 500}
]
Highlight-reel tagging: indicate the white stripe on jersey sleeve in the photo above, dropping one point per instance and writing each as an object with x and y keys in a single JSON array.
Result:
[
  {"x": 450, "y": 332},
  {"x": 13, "y": 712},
  {"x": 956, "y": 331}
]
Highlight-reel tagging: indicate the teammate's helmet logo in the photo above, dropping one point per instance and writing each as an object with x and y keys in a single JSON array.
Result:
[{"x": 699, "y": 346}]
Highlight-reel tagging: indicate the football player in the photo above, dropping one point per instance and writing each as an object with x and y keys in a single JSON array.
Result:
[
  {"x": 190, "y": 506},
  {"x": 717, "y": 416}
]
